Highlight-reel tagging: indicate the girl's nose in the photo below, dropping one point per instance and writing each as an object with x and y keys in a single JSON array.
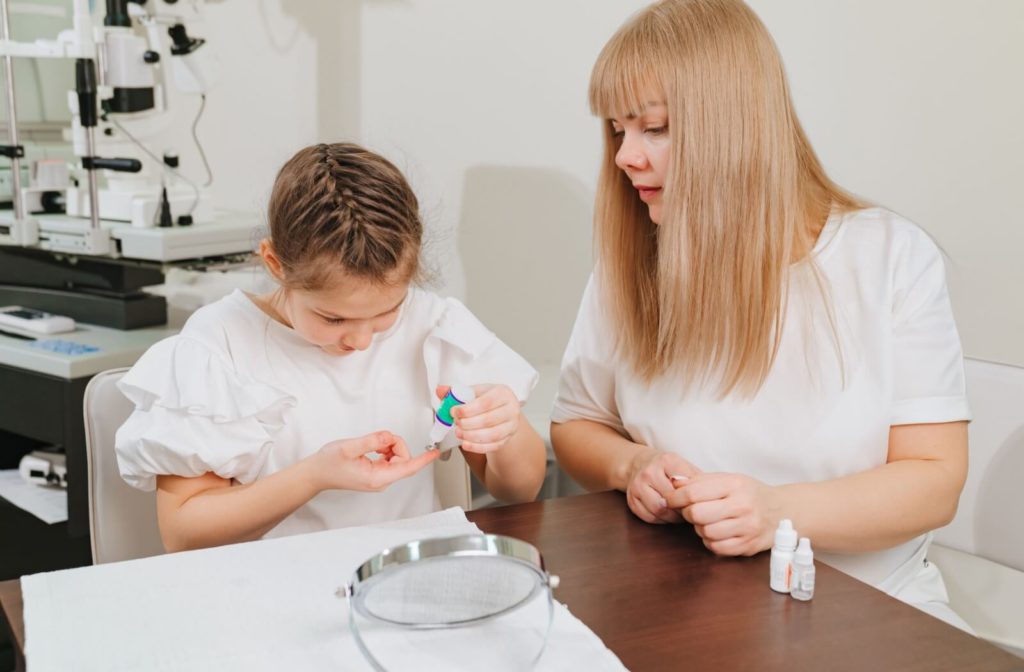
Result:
[{"x": 359, "y": 339}]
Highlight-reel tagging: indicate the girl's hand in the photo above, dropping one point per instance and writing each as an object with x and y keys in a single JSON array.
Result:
[
  {"x": 489, "y": 421},
  {"x": 734, "y": 514},
  {"x": 651, "y": 483},
  {"x": 344, "y": 465}
]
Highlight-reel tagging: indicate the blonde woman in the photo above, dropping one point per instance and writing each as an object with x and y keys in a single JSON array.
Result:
[{"x": 756, "y": 343}]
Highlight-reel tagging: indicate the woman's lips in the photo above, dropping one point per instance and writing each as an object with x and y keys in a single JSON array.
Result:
[{"x": 647, "y": 193}]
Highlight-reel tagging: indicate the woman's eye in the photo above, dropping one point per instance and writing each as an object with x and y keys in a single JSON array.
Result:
[{"x": 657, "y": 130}]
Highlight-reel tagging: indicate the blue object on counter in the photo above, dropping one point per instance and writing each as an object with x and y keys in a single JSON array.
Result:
[{"x": 63, "y": 347}]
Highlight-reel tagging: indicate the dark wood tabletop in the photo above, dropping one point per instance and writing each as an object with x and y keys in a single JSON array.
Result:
[{"x": 660, "y": 601}]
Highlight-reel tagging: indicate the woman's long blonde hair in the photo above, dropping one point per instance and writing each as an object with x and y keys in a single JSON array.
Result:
[{"x": 703, "y": 294}]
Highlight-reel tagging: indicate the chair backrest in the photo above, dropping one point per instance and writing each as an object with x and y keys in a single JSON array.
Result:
[
  {"x": 122, "y": 519},
  {"x": 451, "y": 478},
  {"x": 987, "y": 523}
]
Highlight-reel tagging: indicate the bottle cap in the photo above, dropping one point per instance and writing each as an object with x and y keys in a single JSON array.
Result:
[
  {"x": 804, "y": 553},
  {"x": 785, "y": 535}
]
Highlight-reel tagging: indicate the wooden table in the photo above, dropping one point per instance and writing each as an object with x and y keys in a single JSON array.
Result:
[{"x": 659, "y": 600}]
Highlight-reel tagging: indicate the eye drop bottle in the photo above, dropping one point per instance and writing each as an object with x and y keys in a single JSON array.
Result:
[
  {"x": 443, "y": 420},
  {"x": 782, "y": 556},
  {"x": 802, "y": 587}
]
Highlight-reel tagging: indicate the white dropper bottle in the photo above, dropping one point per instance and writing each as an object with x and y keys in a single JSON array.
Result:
[
  {"x": 782, "y": 556},
  {"x": 803, "y": 571}
]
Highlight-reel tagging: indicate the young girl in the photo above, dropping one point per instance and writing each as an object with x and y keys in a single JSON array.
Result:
[
  {"x": 786, "y": 350},
  {"x": 309, "y": 408}
]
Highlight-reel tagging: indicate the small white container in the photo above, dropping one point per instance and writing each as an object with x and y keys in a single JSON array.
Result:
[
  {"x": 802, "y": 587},
  {"x": 782, "y": 556}
]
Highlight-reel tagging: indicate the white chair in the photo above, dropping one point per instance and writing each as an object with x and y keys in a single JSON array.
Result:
[
  {"x": 122, "y": 519},
  {"x": 451, "y": 478},
  {"x": 981, "y": 553}
]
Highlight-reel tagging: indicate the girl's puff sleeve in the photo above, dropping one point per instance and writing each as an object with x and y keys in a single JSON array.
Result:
[
  {"x": 195, "y": 414},
  {"x": 460, "y": 350}
]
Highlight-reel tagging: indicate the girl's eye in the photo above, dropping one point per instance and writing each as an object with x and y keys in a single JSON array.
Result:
[{"x": 333, "y": 320}]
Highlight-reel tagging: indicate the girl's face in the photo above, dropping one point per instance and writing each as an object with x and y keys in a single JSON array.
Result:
[
  {"x": 344, "y": 318},
  {"x": 644, "y": 147}
]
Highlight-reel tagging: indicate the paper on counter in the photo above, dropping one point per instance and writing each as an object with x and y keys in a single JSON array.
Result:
[{"x": 47, "y": 503}]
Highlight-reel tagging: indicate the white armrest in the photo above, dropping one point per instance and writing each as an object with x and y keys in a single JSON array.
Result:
[{"x": 989, "y": 596}]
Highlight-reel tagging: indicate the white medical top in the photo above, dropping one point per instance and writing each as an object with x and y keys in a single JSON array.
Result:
[
  {"x": 902, "y": 360},
  {"x": 243, "y": 396}
]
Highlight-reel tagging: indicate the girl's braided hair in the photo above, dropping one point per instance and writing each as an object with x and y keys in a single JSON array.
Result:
[{"x": 342, "y": 207}]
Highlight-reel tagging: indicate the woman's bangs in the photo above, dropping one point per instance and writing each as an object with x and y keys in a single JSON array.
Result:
[{"x": 625, "y": 80}]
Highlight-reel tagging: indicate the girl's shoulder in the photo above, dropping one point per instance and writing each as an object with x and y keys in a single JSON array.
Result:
[
  {"x": 207, "y": 368},
  {"x": 230, "y": 319}
]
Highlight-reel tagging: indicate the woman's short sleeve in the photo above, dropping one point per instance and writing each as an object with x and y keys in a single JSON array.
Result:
[
  {"x": 193, "y": 415},
  {"x": 586, "y": 383},
  {"x": 928, "y": 367},
  {"x": 460, "y": 350}
]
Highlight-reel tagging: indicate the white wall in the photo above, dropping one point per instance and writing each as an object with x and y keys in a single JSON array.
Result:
[
  {"x": 288, "y": 76},
  {"x": 914, "y": 104},
  {"x": 485, "y": 105},
  {"x": 917, "y": 105}
]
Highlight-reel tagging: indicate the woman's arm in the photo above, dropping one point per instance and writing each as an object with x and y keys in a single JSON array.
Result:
[
  {"x": 917, "y": 490},
  {"x": 595, "y": 455},
  {"x": 599, "y": 458},
  {"x": 208, "y": 510}
]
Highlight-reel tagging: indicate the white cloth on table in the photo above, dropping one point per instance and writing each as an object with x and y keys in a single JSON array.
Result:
[
  {"x": 243, "y": 396},
  {"x": 263, "y": 605}
]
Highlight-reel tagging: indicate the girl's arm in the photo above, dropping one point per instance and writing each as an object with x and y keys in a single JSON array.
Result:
[
  {"x": 917, "y": 490},
  {"x": 501, "y": 448},
  {"x": 516, "y": 472},
  {"x": 208, "y": 510}
]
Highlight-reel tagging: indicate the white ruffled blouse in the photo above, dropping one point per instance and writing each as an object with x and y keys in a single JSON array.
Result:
[{"x": 243, "y": 396}]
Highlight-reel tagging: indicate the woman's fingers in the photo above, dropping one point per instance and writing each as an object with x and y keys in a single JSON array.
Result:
[{"x": 640, "y": 510}]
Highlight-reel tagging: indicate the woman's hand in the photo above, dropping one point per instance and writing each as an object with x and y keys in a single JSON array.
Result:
[
  {"x": 344, "y": 465},
  {"x": 734, "y": 514},
  {"x": 488, "y": 422},
  {"x": 651, "y": 482}
]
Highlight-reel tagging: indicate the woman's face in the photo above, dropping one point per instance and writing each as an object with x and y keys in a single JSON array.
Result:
[
  {"x": 643, "y": 153},
  {"x": 344, "y": 318}
]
